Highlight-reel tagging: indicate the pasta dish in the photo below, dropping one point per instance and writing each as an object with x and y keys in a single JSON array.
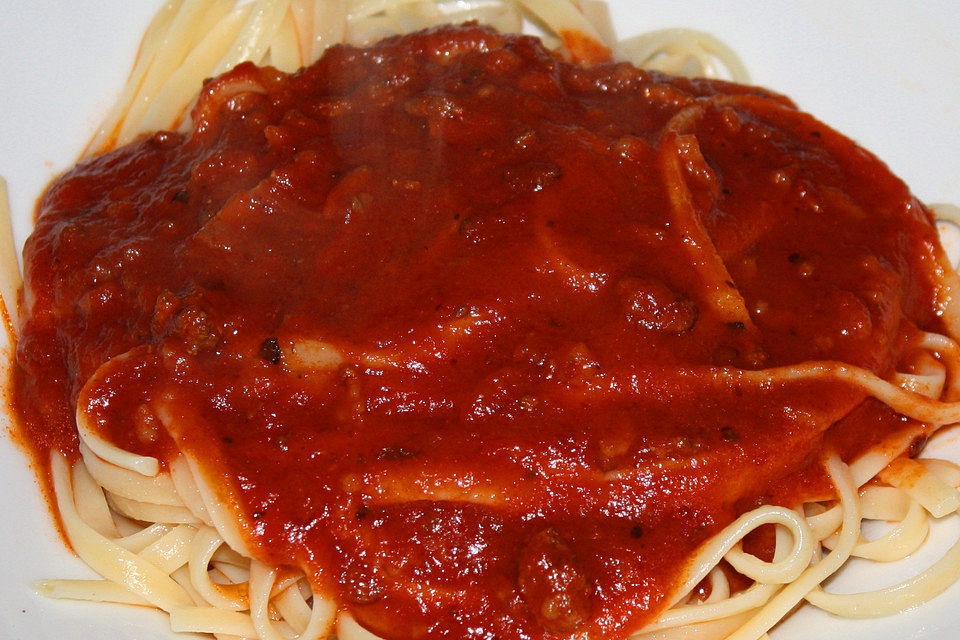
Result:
[{"x": 452, "y": 334}]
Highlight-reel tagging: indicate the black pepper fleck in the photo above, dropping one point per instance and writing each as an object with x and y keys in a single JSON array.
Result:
[{"x": 270, "y": 351}]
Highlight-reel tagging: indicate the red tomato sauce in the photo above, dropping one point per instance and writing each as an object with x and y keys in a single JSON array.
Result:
[{"x": 450, "y": 316}]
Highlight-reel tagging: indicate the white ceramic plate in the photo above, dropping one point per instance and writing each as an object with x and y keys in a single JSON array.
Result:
[{"x": 887, "y": 73}]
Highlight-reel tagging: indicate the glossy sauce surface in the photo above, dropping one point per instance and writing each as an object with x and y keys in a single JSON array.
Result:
[{"x": 457, "y": 325}]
